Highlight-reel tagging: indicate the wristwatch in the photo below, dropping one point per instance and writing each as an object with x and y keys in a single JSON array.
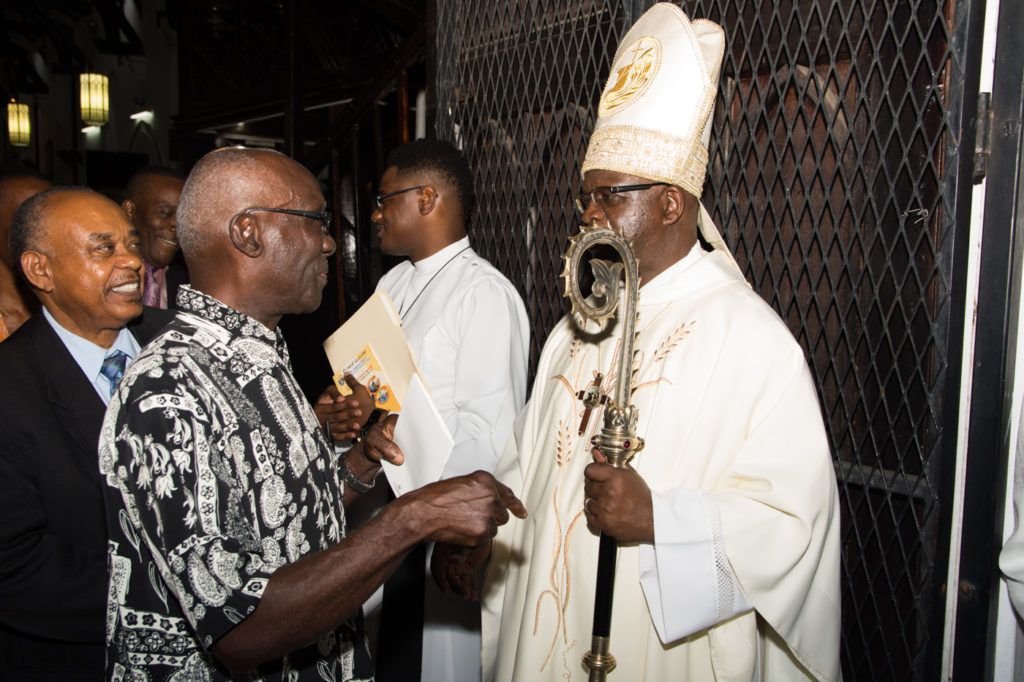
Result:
[{"x": 350, "y": 478}]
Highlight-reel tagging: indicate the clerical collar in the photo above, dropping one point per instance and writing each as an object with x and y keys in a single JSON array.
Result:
[
  {"x": 697, "y": 270},
  {"x": 434, "y": 262},
  {"x": 677, "y": 268}
]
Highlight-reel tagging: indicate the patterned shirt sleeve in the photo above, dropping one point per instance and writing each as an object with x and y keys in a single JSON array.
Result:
[
  {"x": 180, "y": 479},
  {"x": 217, "y": 474}
]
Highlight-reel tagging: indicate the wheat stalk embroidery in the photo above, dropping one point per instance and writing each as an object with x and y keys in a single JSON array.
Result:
[
  {"x": 673, "y": 340},
  {"x": 559, "y": 574}
]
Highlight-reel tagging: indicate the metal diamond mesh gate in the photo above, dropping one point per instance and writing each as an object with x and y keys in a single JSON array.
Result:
[{"x": 828, "y": 179}]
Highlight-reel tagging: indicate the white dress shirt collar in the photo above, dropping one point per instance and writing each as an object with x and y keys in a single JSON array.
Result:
[{"x": 90, "y": 357}]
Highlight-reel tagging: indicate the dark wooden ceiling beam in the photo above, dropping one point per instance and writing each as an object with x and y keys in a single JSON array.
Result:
[
  {"x": 407, "y": 54},
  {"x": 399, "y": 13}
]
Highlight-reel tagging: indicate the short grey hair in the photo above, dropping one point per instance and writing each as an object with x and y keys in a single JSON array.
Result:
[
  {"x": 217, "y": 177},
  {"x": 28, "y": 225}
]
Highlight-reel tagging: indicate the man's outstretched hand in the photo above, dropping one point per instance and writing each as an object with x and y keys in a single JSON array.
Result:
[
  {"x": 466, "y": 510},
  {"x": 461, "y": 515}
]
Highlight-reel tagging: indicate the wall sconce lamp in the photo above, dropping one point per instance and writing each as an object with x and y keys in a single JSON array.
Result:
[
  {"x": 19, "y": 127},
  {"x": 94, "y": 98}
]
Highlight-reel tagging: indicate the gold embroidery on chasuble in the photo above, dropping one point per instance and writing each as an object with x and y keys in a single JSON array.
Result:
[{"x": 589, "y": 372}]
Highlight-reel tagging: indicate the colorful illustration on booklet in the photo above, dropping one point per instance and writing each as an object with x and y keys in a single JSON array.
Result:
[{"x": 367, "y": 371}]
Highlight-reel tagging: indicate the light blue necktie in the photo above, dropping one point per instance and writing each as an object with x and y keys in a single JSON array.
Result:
[{"x": 113, "y": 368}]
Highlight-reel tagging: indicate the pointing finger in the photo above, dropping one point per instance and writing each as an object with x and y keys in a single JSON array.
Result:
[{"x": 510, "y": 501}]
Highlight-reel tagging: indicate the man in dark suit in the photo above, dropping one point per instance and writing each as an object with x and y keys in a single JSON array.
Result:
[
  {"x": 81, "y": 256},
  {"x": 151, "y": 203}
]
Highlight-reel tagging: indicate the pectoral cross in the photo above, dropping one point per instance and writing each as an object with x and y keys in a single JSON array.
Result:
[{"x": 592, "y": 398}]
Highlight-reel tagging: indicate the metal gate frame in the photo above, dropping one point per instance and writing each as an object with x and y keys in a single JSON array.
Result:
[{"x": 989, "y": 432}]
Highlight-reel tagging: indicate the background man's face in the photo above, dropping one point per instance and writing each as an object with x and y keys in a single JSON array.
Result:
[
  {"x": 95, "y": 268},
  {"x": 398, "y": 219},
  {"x": 155, "y": 217},
  {"x": 13, "y": 192}
]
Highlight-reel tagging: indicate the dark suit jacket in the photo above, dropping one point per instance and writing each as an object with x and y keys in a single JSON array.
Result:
[
  {"x": 53, "y": 538},
  {"x": 177, "y": 274}
]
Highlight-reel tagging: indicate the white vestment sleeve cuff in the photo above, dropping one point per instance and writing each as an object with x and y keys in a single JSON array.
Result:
[{"x": 685, "y": 575}]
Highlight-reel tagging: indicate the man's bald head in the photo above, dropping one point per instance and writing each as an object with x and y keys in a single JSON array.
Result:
[
  {"x": 249, "y": 229},
  {"x": 222, "y": 184},
  {"x": 137, "y": 183}
]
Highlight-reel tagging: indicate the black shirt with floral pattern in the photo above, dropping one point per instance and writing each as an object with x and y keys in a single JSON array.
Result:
[{"x": 216, "y": 475}]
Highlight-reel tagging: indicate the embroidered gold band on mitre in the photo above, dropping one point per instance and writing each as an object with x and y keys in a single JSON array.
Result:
[{"x": 650, "y": 154}]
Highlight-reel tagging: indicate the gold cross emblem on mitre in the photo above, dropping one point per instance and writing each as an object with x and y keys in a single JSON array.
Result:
[{"x": 632, "y": 79}]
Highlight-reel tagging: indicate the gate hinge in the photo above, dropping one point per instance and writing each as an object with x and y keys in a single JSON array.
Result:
[{"x": 983, "y": 136}]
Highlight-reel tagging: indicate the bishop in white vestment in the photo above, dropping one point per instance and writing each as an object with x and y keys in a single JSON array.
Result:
[
  {"x": 742, "y": 580},
  {"x": 728, "y": 559}
]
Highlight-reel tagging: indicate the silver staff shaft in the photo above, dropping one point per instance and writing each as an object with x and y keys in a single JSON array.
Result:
[{"x": 617, "y": 439}]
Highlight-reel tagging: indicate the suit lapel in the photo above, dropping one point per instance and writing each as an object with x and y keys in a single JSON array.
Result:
[
  {"x": 72, "y": 395},
  {"x": 70, "y": 392}
]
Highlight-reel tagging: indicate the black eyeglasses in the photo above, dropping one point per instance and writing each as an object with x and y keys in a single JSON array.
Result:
[
  {"x": 601, "y": 195},
  {"x": 323, "y": 218},
  {"x": 381, "y": 197}
]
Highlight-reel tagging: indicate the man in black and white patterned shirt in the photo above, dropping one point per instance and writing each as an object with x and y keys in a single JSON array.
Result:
[{"x": 229, "y": 551}]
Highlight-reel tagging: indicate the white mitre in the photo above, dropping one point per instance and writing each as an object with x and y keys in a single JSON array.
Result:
[{"x": 652, "y": 121}]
